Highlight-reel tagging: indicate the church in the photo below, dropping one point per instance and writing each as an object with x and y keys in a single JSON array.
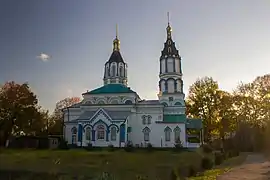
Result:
[{"x": 114, "y": 114}]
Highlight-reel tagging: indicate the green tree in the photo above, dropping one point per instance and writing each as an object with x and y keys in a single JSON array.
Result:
[
  {"x": 201, "y": 103},
  {"x": 18, "y": 110}
]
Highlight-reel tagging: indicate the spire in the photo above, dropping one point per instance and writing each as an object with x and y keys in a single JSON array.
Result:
[
  {"x": 169, "y": 29},
  {"x": 116, "y": 41}
]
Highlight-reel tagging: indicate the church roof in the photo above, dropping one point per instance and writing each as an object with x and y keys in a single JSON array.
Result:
[
  {"x": 111, "y": 89},
  {"x": 174, "y": 118},
  {"x": 115, "y": 115},
  {"x": 116, "y": 57}
]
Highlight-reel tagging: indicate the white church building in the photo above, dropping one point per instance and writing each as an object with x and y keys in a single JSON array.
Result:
[{"x": 114, "y": 114}]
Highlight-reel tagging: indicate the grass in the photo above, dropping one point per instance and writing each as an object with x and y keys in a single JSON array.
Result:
[
  {"x": 224, "y": 167},
  {"x": 124, "y": 165}
]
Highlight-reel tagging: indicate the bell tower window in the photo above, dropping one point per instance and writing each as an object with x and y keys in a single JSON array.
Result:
[{"x": 113, "y": 70}]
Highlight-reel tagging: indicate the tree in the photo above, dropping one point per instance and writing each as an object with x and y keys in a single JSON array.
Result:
[
  {"x": 201, "y": 103},
  {"x": 226, "y": 113},
  {"x": 56, "y": 120},
  {"x": 18, "y": 110}
]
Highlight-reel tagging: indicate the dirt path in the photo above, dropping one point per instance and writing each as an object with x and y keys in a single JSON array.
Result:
[{"x": 255, "y": 167}]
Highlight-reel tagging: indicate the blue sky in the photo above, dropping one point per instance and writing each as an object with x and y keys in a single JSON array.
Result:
[{"x": 228, "y": 40}]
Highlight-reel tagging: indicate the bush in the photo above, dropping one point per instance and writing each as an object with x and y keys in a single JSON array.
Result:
[
  {"x": 129, "y": 147},
  {"x": 207, "y": 163},
  {"x": 89, "y": 147},
  {"x": 192, "y": 171},
  {"x": 207, "y": 148},
  {"x": 149, "y": 147},
  {"x": 63, "y": 145},
  {"x": 219, "y": 158},
  {"x": 110, "y": 148}
]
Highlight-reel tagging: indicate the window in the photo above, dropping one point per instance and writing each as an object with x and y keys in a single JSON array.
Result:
[
  {"x": 149, "y": 119},
  {"x": 170, "y": 98},
  {"x": 146, "y": 134},
  {"x": 128, "y": 102},
  {"x": 143, "y": 119},
  {"x": 88, "y": 134},
  {"x": 113, "y": 133},
  {"x": 113, "y": 70},
  {"x": 167, "y": 134},
  {"x": 100, "y": 132},
  {"x": 121, "y": 71},
  {"x": 170, "y": 66},
  {"x": 177, "y": 131},
  {"x": 74, "y": 135},
  {"x": 177, "y": 104}
]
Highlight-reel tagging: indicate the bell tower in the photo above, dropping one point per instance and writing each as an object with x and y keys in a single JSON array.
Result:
[
  {"x": 115, "y": 71},
  {"x": 170, "y": 75}
]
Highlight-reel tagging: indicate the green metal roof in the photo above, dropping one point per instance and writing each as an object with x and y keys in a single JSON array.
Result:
[
  {"x": 194, "y": 124},
  {"x": 174, "y": 118},
  {"x": 111, "y": 88}
]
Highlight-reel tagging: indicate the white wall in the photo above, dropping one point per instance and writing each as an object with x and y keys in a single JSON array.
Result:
[{"x": 157, "y": 129}]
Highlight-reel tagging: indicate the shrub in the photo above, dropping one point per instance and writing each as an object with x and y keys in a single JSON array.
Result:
[
  {"x": 129, "y": 147},
  {"x": 206, "y": 163},
  {"x": 192, "y": 171},
  {"x": 89, "y": 147},
  {"x": 173, "y": 175},
  {"x": 149, "y": 147},
  {"x": 207, "y": 148},
  {"x": 63, "y": 145},
  {"x": 111, "y": 147},
  {"x": 219, "y": 158}
]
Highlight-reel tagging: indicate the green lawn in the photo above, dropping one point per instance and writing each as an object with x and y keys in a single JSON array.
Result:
[
  {"x": 224, "y": 167},
  {"x": 34, "y": 164},
  {"x": 124, "y": 165}
]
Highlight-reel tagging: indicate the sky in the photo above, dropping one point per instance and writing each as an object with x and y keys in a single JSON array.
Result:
[{"x": 60, "y": 47}]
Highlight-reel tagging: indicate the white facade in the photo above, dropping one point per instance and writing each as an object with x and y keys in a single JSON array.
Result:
[{"x": 114, "y": 114}]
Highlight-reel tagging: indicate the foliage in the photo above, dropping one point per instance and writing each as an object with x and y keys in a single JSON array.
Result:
[
  {"x": 129, "y": 147},
  {"x": 207, "y": 163},
  {"x": 201, "y": 103},
  {"x": 56, "y": 120},
  {"x": 207, "y": 148},
  {"x": 219, "y": 158},
  {"x": 19, "y": 113},
  {"x": 63, "y": 145}
]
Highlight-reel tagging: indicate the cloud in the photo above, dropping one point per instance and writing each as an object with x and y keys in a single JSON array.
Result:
[{"x": 44, "y": 57}]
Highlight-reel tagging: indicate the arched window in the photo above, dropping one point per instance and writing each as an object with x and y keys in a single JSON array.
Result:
[
  {"x": 128, "y": 102},
  {"x": 149, "y": 119},
  {"x": 113, "y": 70},
  {"x": 88, "y": 134},
  {"x": 164, "y": 104},
  {"x": 121, "y": 71},
  {"x": 100, "y": 132},
  {"x": 167, "y": 131},
  {"x": 74, "y": 135},
  {"x": 146, "y": 134},
  {"x": 177, "y": 104},
  {"x": 143, "y": 119},
  {"x": 177, "y": 131},
  {"x": 113, "y": 134},
  {"x": 169, "y": 50}
]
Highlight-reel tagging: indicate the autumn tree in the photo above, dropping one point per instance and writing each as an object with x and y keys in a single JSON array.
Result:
[
  {"x": 56, "y": 120},
  {"x": 18, "y": 110},
  {"x": 201, "y": 103}
]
